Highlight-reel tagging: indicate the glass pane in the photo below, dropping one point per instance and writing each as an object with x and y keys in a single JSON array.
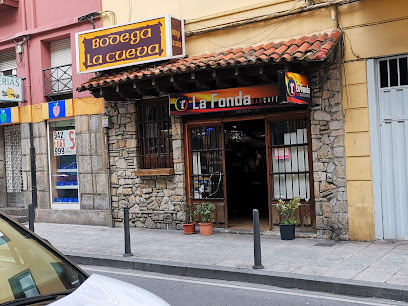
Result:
[
  {"x": 64, "y": 170},
  {"x": 206, "y": 152},
  {"x": 290, "y": 160},
  {"x": 393, "y": 72},
  {"x": 384, "y": 74},
  {"x": 403, "y": 71}
]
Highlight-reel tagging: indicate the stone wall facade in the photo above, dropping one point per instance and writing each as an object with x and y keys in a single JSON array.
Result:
[
  {"x": 329, "y": 162},
  {"x": 154, "y": 201}
]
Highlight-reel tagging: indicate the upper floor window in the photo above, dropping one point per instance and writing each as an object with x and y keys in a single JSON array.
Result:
[
  {"x": 58, "y": 78},
  {"x": 155, "y": 137},
  {"x": 8, "y": 65}
]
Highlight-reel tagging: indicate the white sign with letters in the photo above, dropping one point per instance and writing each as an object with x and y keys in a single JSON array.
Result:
[{"x": 64, "y": 142}]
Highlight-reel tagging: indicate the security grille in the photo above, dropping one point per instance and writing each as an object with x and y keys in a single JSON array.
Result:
[
  {"x": 14, "y": 178},
  {"x": 290, "y": 164},
  {"x": 206, "y": 152},
  {"x": 155, "y": 136}
]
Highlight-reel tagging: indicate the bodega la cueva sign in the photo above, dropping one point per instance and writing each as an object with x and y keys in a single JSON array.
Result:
[{"x": 136, "y": 43}]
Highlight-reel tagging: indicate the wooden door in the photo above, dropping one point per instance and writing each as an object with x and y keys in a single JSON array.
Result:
[
  {"x": 206, "y": 168},
  {"x": 289, "y": 161}
]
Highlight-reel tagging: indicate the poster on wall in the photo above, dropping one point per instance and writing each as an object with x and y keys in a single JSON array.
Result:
[
  {"x": 294, "y": 88},
  {"x": 64, "y": 142}
]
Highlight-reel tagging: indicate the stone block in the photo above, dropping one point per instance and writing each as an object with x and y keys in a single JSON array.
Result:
[
  {"x": 87, "y": 201},
  {"x": 84, "y": 164},
  {"x": 101, "y": 202},
  {"x": 81, "y": 124},
  {"x": 101, "y": 183},
  {"x": 321, "y": 116},
  {"x": 83, "y": 144},
  {"x": 95, "y": 123},
  {"x": 85, "y": 183}
]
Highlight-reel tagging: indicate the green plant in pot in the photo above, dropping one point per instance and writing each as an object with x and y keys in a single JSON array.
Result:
[
  {"x": 189, "y": 225},
  {"x": 204, "y": 211},
  {"x": 287, "y": 215}
]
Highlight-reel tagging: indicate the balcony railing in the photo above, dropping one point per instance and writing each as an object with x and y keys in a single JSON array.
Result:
[{"x": 57, "y": 80}]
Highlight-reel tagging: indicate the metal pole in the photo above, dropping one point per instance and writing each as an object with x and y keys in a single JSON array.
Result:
[
  {"x": 33, "y": 168},
  {"x": 128, "y": 252},
  {"x": 257, "y": 241},
  {"x": 31, "y": 213}
]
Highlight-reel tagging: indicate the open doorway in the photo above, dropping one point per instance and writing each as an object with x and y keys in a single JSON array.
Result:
[{"x": 246, "y": 173}]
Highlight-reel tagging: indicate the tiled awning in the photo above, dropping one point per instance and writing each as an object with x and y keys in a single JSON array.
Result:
[{"x": 311, "y": 48}]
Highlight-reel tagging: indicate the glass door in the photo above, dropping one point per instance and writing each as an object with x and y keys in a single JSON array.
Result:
[
  {"x": 63, "y": 165},
  {"x": 206, "y": 169}
]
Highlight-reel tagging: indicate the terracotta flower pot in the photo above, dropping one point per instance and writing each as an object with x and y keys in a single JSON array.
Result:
[
  {"x": 205, "y": 229},
  {"x": 189, "y": 228}
]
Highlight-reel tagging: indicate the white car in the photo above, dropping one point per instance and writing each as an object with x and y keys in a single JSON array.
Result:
[{"x": 32, "y": 272}]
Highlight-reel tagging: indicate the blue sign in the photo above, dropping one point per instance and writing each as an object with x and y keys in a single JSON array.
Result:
[
  {"x": 5, "y": 116},
  {"x": 56, "y": 109}
]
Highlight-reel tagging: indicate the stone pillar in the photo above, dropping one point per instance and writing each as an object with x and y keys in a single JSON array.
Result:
[
  {"x": 42, "y": 165},
  {"x": 329, "y": 163},
  {"x": 91, "y": 160}
]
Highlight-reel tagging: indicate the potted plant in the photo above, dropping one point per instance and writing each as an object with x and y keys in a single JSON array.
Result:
[
  {"x": 287, "y": 215},
  {"x": 189, "y": 225},
  {"x": 205, "y": 215}
]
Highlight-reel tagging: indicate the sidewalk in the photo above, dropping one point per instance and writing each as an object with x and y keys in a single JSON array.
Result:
[{"x": 358, "y": 268}]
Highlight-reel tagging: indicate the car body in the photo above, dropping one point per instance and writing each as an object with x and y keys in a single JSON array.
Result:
[{"x": 33, "y": 272}]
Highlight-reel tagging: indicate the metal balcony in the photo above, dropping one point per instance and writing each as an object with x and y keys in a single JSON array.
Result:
[{"x": 57, "y": 81}]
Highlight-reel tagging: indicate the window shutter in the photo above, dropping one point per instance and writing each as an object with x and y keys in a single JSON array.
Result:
[
  {"x": 8, "y": 60},
  {"x": 60, "y": 52}
]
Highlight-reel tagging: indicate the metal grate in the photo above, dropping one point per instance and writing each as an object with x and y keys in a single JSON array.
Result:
[
  {"x": 206, "y": 152},
  {"x": 394, "y": 72},
  {"x": 57, "y": 80},
  {"x": 155, "y": 136},
  {"x": 290, "y": 159},
  {"x": 12, "y": 146}
]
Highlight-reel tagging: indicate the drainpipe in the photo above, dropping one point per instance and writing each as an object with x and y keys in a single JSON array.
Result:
[
  {"x": 30, "y": 124},
  {"x": 334, "y": 13}
]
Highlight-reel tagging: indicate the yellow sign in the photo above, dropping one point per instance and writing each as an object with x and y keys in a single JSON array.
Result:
[{"x": 145, "y": 41}]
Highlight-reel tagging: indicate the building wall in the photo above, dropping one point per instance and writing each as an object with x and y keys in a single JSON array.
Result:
[
  {"x": 155, "y": 201},
  {"x": 372, "y": 29},
  {"x": 45, "y": 21}
]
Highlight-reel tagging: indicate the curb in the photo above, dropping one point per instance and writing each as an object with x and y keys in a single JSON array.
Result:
[{"x": 263, "y": 277}]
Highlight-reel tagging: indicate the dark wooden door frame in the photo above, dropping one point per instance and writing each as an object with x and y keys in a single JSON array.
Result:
[
  {"x": 279, "y": 116},
  {"x": 282, "y": 117}
]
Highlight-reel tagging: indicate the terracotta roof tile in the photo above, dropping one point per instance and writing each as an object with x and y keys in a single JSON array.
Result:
[{"x": 315, "y": 47}]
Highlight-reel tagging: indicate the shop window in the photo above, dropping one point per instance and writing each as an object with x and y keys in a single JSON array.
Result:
[
  {"x": 63, "y": 163},
  {"x": 393, "y": 72},
  {"x": 155, "y": 136},
  {"x": 206, "y": 152},
  {"x": 290, "y": 159}
]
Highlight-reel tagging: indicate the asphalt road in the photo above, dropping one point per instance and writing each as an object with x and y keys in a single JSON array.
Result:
[{"x": 180, "y": 291}]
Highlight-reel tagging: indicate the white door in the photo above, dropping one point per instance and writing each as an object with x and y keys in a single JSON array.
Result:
[{"x": 393, "y": 142}]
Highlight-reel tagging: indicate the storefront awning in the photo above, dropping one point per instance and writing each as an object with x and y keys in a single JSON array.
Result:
[{"x": 229, "y": 68}]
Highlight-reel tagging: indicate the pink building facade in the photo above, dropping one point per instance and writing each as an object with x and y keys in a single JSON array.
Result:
[{"x": 62, "y": 128}]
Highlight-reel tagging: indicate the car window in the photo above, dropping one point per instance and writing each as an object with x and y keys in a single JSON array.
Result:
[{"x": 28, "y": 269}]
